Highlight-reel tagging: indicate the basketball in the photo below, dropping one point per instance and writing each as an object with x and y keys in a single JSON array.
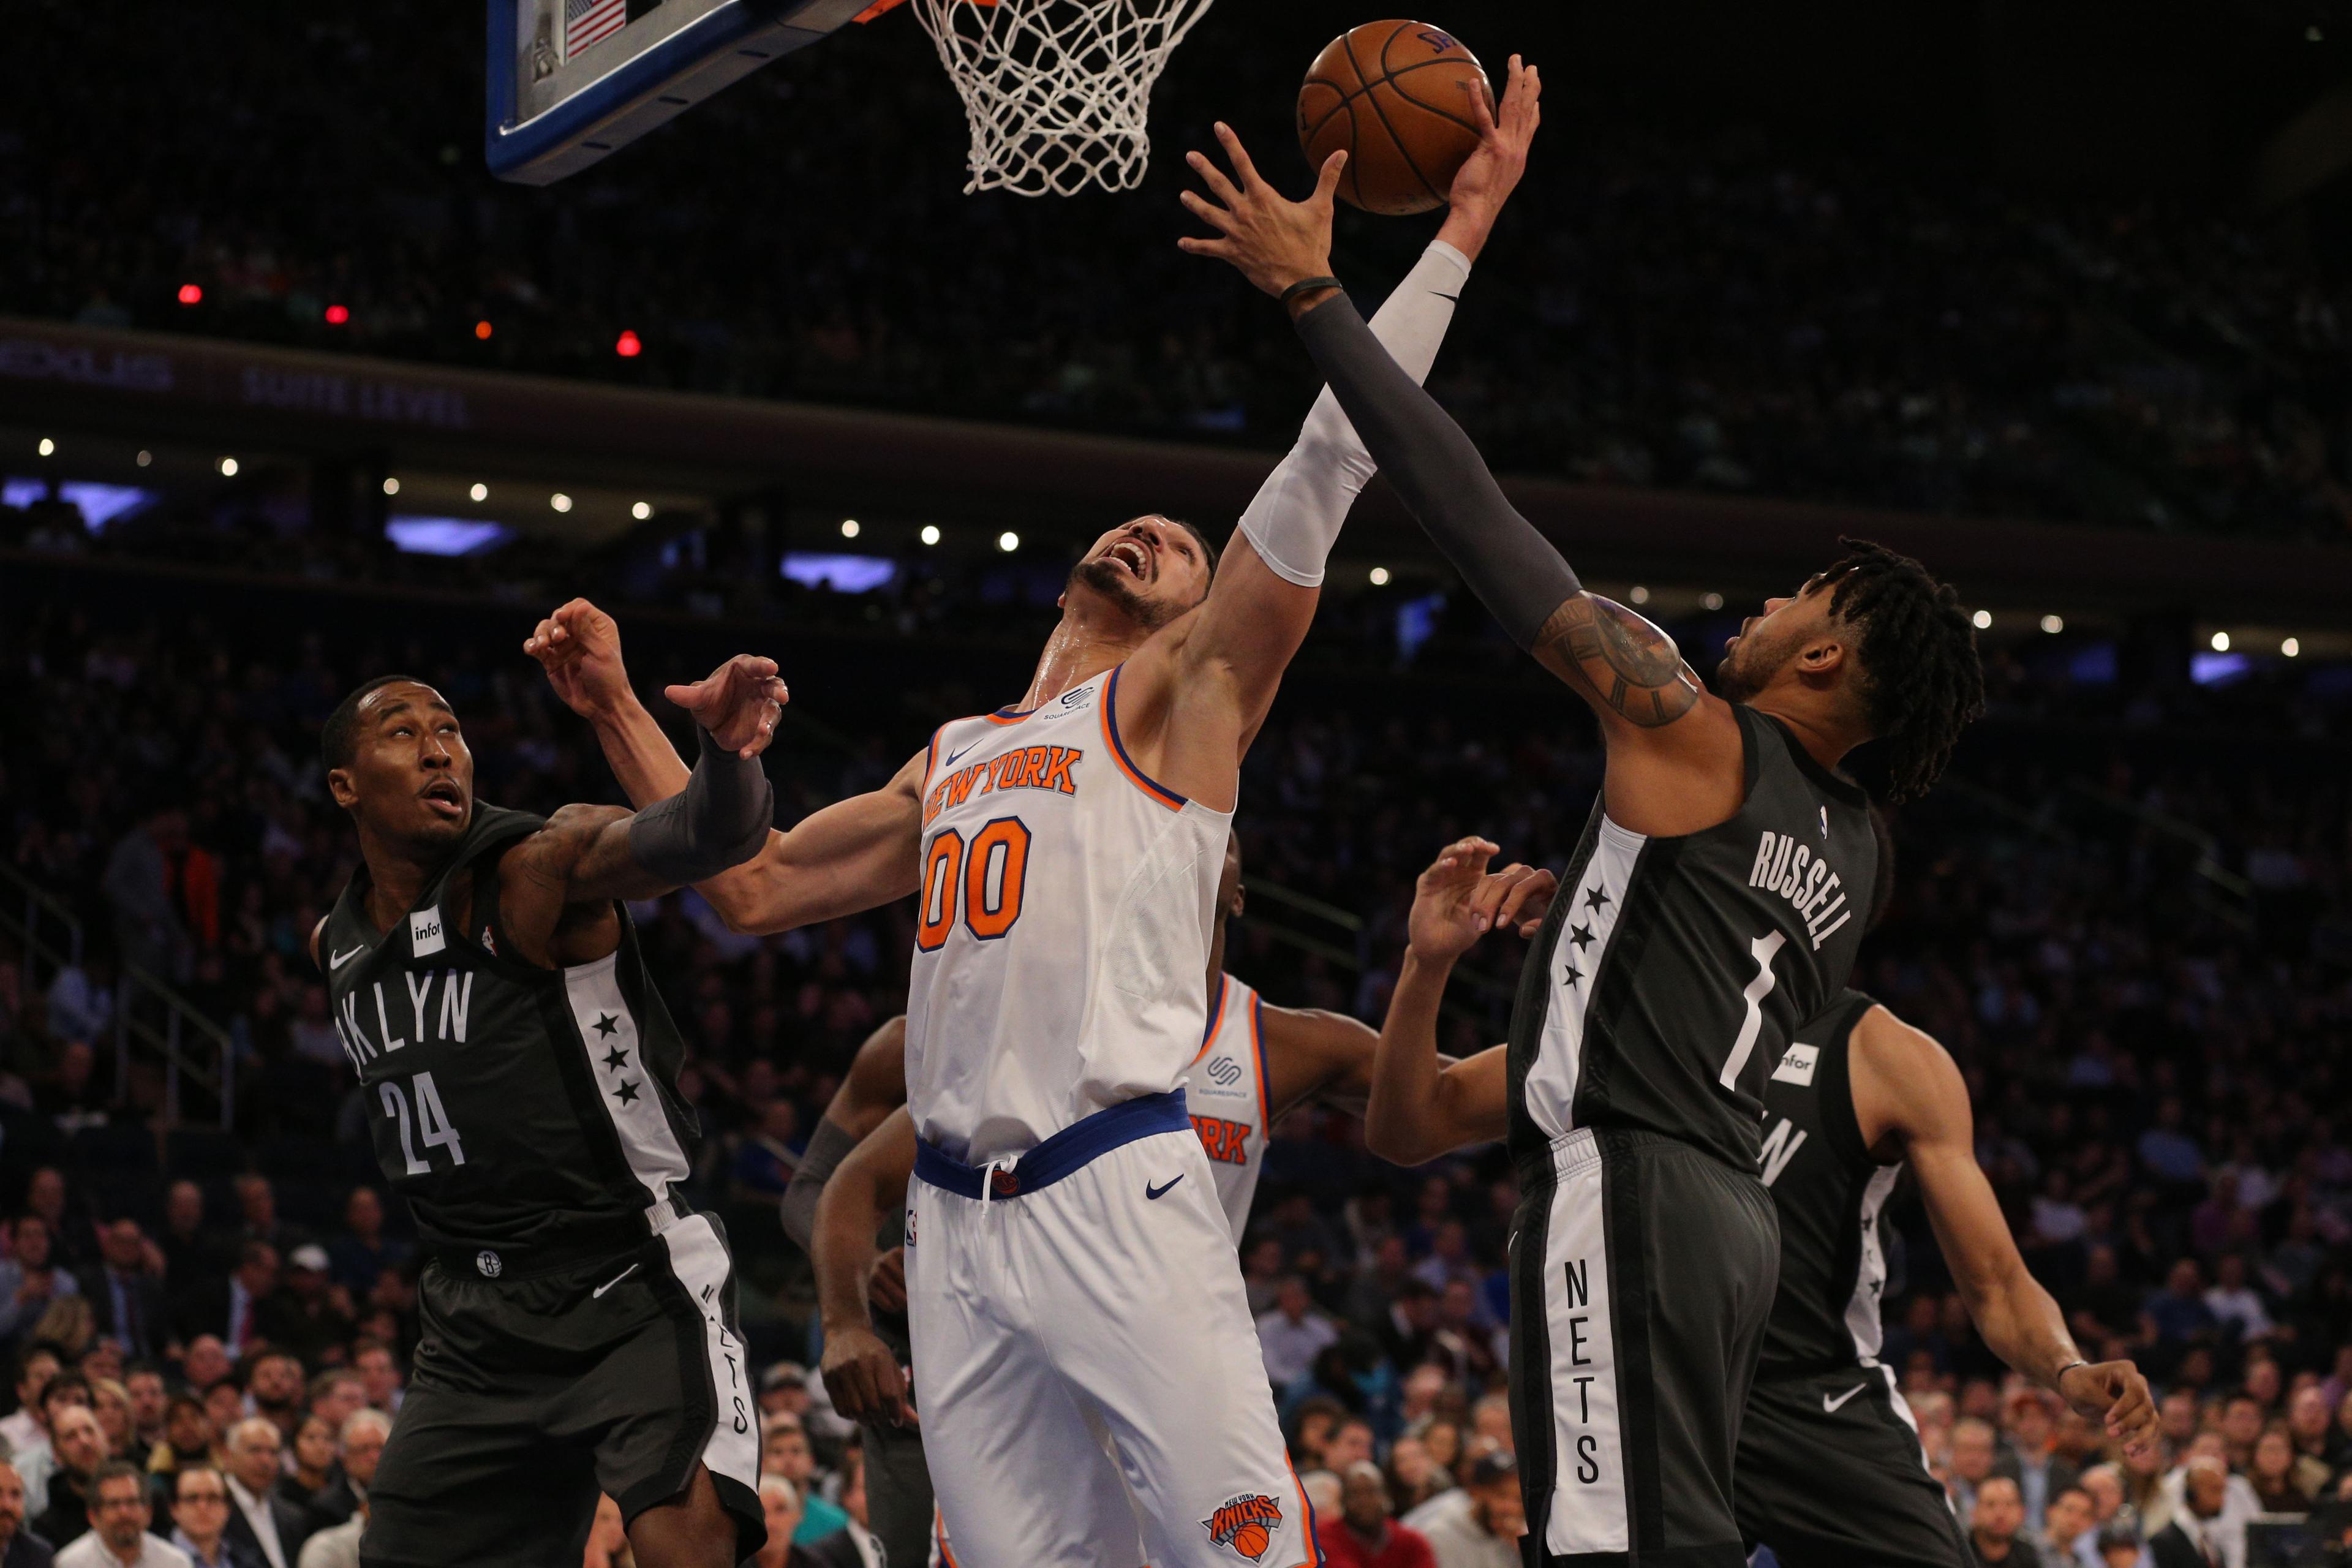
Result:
[
  {"x": 1251, "y": 1540},
  {"x": 1395, "y": 96}
]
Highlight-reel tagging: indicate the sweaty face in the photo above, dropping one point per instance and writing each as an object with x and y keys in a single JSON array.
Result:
[
  {"x": 411, "y": 776},
  {"x": 1151, "y": 569},
  {"x": 1765, "y": 644}
]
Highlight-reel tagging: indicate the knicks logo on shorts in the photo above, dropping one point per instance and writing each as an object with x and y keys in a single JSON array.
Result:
[{"x": 1246, "y": 1523}]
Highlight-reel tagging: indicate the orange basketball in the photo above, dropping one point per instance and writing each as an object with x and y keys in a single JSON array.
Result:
[
  {"x": 1250, "y": 1541},
  {"x": 1396, "y": 97}
]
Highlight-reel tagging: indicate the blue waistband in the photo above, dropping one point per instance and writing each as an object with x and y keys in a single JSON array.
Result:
[{"x": 1062, "y": 1153}]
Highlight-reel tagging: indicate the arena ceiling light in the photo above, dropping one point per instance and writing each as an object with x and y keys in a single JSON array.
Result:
[
  {"x": 2053, "y": 625},
  {"x": 931, "y": 534},
  {"x": 190, "y": 294},
  {"x": 338, "y": 315},
  {"x": 390, "y": 485},
  {"x": 560, "y": 501},
  {"x": 1982, "y": 620},
  {"x": 228, "y": 468},
  {"x": 480, "y": 492},
  {"x": 642, "y": 511},
  {"x": 1710, "y": 601},
  {"x": 1379, "y": 576},
  {"x": 2221, "y": 642},
  {"x": 848, "y": 528},
  {"x": 2290, "y": 647},
  {"x": 47, "y": 448},
  {"x": 1008, "y": 542},
  {"x": 1639, "y": 594},
  {"x": 145, "y": 457},
  {"x": 482, "y": 331},
  {"x": 629, "y": 345}
]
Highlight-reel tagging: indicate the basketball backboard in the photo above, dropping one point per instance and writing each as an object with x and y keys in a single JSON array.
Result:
[{"x": 571, "y": 80}]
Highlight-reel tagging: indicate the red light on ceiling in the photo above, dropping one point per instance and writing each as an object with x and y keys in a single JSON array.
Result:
[
  {"x": 189, "y": 294},
  {"x": 628, "y": 347},
  {"x": 482, "y": 330},
  {"x": 338, "y": 314}
]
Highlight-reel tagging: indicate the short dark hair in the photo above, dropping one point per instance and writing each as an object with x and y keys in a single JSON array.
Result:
[
  {"x": 1209, "y": 552},
  {"x": 199, "y": 1469},
  {"x": 66, "y": 1382},
  {"x": 1922, "y": 680},
  {"x": 116, "y": 1470},
  {"x": 339, "y": 733}
]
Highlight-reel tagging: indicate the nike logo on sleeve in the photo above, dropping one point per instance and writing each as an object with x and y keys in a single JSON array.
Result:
[{"x": 1829, "y": 1405}]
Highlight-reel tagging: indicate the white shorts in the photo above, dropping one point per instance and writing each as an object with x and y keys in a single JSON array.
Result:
[{"x": 1105, "y": 1309}]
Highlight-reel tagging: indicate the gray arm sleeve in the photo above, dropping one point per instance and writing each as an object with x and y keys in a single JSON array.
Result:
[
  {"x": 1439, "y": 474},
  {"x": 720, "y": 820},
  {"x": 828, "y": 1146}
]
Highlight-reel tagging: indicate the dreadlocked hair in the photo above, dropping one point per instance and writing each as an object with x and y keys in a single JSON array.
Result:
[{"x": 1922, "y": 683}]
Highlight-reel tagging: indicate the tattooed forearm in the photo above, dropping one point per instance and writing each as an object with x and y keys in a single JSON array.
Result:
[{"x": 1624, "y": 662}]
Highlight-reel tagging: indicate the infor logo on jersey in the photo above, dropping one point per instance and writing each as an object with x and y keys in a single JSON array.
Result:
[
  {"x": 1246, "y": 1523},
  {"x": 424, "y": 933},
  {"x": 1798, "y": 1066}
]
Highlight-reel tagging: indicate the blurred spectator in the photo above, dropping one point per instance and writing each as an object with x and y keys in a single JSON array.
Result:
[
  {"x": 1478, "y": 1524},
  {"x": 80, "y": 1444},
  {"x": 1995, "y": 1524},
  {"x": 310, "y": 1315},
  {"x": 2195, "y": 1538},
  {"x": 139, "y": 885},
  {"x": 854, "y": 1545},
  {"x": 2027, "y": 1457},
  {"x": 200, "y": 1515},
  {"x": 359, "y": 1451},
  {"x": 784, "y": 1451},
  {"x": 242, "y": 1309},
  {"x": 380, "y": 1374},
  {"x": 116, "y": 1528},
  {"x": 314, "y": 1469},
  {"x": 1362, "y": 1536},
  {"x": 30, "y": 1276},
  {"x": 338, "y": 1545},
  {"x": 189, "y": 1254},
  {"x": 22, "y": 1428},
  {"x": 361, "y": 1253},
  {"x": 2234, "y": 1303},
  {"x": 187, "y": 1437},
  {"x": 780, "y": 1502},
  {"x": 143, "y": 1385},
  {"x": 2069, "y": 1529},
  {"x": 274, "y": 1387},
  {"x": 1974, "y": 1457},
  {"x": 110, "y": 1403},
  {"x": 259, "y": 1519},
  {"x": 1292, "y": 1335},
  {"x": 126, "y": 1289},
  {"x": 19, "y": 1548}
]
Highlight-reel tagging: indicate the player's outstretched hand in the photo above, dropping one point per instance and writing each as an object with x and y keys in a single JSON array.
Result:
[
  {"x": 738, "y": 703},
  {"x": 1274, "y": 242},
  {"x": 864, "y": 1379},
  {"x": 580, "y": 647},
  {"x": 2115, "y": 1393},
  {"x": 1457, "y": 901},
  {"x": 1488, "y": 177}
]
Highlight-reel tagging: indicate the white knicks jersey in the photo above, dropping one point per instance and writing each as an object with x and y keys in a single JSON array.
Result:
[
  {"x": 1063, "y": 929},
  {"x": 1225, "y": 1089}
]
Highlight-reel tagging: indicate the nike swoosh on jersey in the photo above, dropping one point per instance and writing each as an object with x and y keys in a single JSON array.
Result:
[
  {"x": 951, "y": 760},
  {"x": 1160, "y": 1190},
  {"x": 1830, "y": 1406},
  {"x": 615, "y": 1280},
  {"x": 336, "y": 960}
]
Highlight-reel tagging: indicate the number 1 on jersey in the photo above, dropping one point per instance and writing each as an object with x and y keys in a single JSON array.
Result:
[
  {"x": 1762, "y": 950},
  {"x": 985, "y": 879}
]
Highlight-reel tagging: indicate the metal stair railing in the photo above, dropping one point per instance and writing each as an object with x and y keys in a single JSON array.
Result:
[{"x": 148, "y": 1014}]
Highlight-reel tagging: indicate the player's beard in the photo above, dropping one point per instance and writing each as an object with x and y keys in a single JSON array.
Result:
[
  {"x": 1750, "y": 668},
  {"x": 1109, "y": 579}
]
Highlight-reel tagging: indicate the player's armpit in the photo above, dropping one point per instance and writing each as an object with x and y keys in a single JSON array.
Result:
[{"x": 1618, "y": 661}]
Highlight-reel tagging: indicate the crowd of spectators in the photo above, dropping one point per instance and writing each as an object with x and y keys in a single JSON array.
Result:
[
  {"x": 2125, "y": 913},
  {"x": 1737, "y": 310}
]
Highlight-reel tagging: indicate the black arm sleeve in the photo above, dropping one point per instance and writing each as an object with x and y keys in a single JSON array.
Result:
[
  {"x": 720, "y": 820},
  {"x": 1444, "y": 481},
  {"x": 828, "y": 1146}
]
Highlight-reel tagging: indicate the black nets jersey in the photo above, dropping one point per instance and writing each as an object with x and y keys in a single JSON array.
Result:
[
  {"x": 1671, "y": 973},
  {"x": 1832, "y": 1197},
  {"x": 525, "y": 1114}
]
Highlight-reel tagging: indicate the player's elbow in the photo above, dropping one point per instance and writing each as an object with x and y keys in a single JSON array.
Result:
[{"x": 1396, "y": 1140}]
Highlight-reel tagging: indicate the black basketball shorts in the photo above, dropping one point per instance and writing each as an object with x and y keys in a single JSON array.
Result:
[
  {"x": 1642, "y": 1272},
  {"x": 1831, "y": 1476},
  {"x": 533, "y": 1393}
]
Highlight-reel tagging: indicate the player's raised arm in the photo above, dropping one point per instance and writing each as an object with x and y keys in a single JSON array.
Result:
[
  {"x": 1256, "y": 613},
  {"x": 1421, "y": 1106},
  {"x": 1906, "y": 1083},
  {"x": 849, "y": 856},
  {"x": 875, "y": 1086},
  {"x": 860, "y": 1372},
  {"x": 1628, "y": 669}
]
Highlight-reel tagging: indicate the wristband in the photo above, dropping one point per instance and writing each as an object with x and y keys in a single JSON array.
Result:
[
  {"x": 2060, "y": 1376},
  {"x": 1304, "y": 284}
]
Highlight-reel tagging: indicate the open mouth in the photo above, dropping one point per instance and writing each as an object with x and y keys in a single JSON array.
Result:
[
  {"x": 445, "y": 798},
  {"x": 1133, "y": 555}
]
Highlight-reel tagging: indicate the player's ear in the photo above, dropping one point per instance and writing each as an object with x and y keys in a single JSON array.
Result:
[
  {"x": 340, "y": 786},
  {"x": 1823, "y": 660}
]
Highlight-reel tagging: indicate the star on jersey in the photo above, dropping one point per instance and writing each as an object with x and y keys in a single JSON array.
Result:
[
  {"x": 1582, "y": 935},
  {"x": 1595, "y": 897},
  {"x": 616, "y": 1059},
  {"x": 1572, "y": 975},
  {"x": 626, "y": 1094},
  {"x": 606, "y": 1024}
]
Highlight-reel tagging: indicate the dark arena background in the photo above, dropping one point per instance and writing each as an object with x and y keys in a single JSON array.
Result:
[{"x": 2057, "y": 297}]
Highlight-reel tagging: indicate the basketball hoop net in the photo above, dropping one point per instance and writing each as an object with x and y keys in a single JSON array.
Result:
[{"x": 1058, "y": 91}]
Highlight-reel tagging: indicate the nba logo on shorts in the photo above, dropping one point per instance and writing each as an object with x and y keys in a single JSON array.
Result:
[{"x": 1246, "y": 1523}]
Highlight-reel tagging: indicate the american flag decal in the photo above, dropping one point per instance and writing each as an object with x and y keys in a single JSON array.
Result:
[{"x": 587, "y": 22}]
